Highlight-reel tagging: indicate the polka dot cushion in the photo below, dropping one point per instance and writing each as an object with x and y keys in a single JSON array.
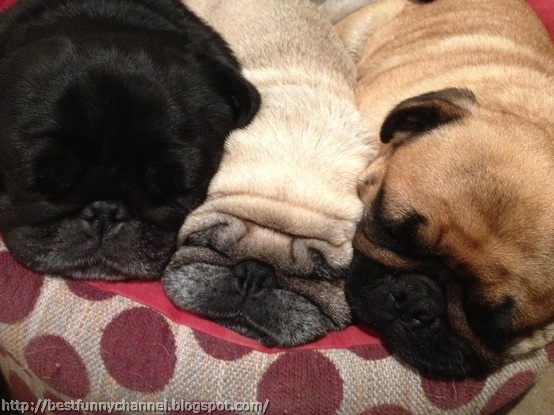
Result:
[
  {"x": 67, "y": 340},
  {"x": 102, "y": 342}
]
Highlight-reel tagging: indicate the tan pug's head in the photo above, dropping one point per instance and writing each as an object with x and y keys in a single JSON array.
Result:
[{"x": 454, "y": 257}]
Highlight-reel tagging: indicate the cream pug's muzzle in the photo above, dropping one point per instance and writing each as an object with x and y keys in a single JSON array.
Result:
[{"x": 252, "y": 299}]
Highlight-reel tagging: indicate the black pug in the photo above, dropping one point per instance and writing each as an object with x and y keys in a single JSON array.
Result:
[{"x": 113, "y": 117}]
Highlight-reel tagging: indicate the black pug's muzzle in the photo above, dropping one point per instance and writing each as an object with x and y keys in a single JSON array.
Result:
[
  {"x": 252, "y": 299},
  {"x": 409, "y": 310}
]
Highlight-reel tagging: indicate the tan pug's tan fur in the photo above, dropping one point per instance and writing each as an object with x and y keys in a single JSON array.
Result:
[
  {"x": 485, "y": 183},
  {"x": 287, "y": 184}
]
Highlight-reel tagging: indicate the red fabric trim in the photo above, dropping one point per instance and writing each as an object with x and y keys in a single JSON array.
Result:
[
  {"x": 151, "y": 294},
  {"x": 545, "y": 10},
  {"x": 4, "y": 4}
]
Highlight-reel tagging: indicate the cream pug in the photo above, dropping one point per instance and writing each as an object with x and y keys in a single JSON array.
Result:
[
  {"x": 263, "y": 253},
  {"x": 454, "y": 255}
]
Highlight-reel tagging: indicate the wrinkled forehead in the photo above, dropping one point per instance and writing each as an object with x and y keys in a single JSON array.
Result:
[
  {"x": 474, "y": 150},
  {"x": 446, "y": 176},
  {"x": 420, "y": 167}
]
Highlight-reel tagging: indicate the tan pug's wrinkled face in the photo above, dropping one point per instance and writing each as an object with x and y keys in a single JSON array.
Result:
[{"x": 459, "y": 204}]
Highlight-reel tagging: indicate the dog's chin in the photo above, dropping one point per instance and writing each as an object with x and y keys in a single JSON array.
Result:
[
  {"x": 96, "y": 267},
  {"x": 104, "y": 270},
  {"x": 60, "y": 248},
  {"x": 409, "y": 311},
  {"x": 247, "y": 299}
]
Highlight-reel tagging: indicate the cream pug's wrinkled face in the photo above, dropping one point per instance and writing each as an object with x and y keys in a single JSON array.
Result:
[
  {"x": 269, "y": 259},
  {"x": 267, "y": 252}
]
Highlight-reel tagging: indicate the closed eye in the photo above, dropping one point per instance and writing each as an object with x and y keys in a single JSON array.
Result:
[
  {"x": 167, "y": 176},
  {"x": 399, "y": 234},
  {"x": 56, "y": 173}
]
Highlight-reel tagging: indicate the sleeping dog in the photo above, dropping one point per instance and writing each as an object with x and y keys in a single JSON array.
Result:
[
  {"x": 454, "y": 259},
  {"x": 264, "y": 253},
  {"x": 113, "y": 116}
]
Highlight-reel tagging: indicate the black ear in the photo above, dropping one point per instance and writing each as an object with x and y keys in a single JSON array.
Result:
[
  {"x": 242, "y": 96},
  {"x": 426, "y": 112}
]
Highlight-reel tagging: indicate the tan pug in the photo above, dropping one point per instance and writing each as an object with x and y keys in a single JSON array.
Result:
[
  {"x": 454, "y": 257},
  {"x": 262, "y": 254}
]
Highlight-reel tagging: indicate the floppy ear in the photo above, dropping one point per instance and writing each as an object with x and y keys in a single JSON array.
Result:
[
  {"x": 243, "y": 97},
  {"x": 425, "y": 112}
]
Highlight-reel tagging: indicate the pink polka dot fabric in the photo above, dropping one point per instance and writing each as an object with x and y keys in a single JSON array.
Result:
[
  {"x": 138, "y": 350},
  {"x": 53, "y": 360},
  {"x": 66, "y": 340}
]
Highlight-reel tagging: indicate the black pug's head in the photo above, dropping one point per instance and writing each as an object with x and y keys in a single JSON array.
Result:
[{"x": 113, "y": 117}]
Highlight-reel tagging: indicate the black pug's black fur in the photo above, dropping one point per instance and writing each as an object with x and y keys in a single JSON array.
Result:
[{"x": 113, "y": 117}]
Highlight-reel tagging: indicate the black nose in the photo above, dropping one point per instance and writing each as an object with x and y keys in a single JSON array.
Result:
[
  {"x": 416, "y": 299},
  {"x": 104, "y": 218},
  {"x": 253, "y": 276}
]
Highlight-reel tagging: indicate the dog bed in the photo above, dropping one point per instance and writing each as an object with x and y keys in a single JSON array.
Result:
[{"x": 104, "y": 342}]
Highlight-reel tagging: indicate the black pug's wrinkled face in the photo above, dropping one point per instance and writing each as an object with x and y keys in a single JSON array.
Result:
[{"x": 105, "y": 147}]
